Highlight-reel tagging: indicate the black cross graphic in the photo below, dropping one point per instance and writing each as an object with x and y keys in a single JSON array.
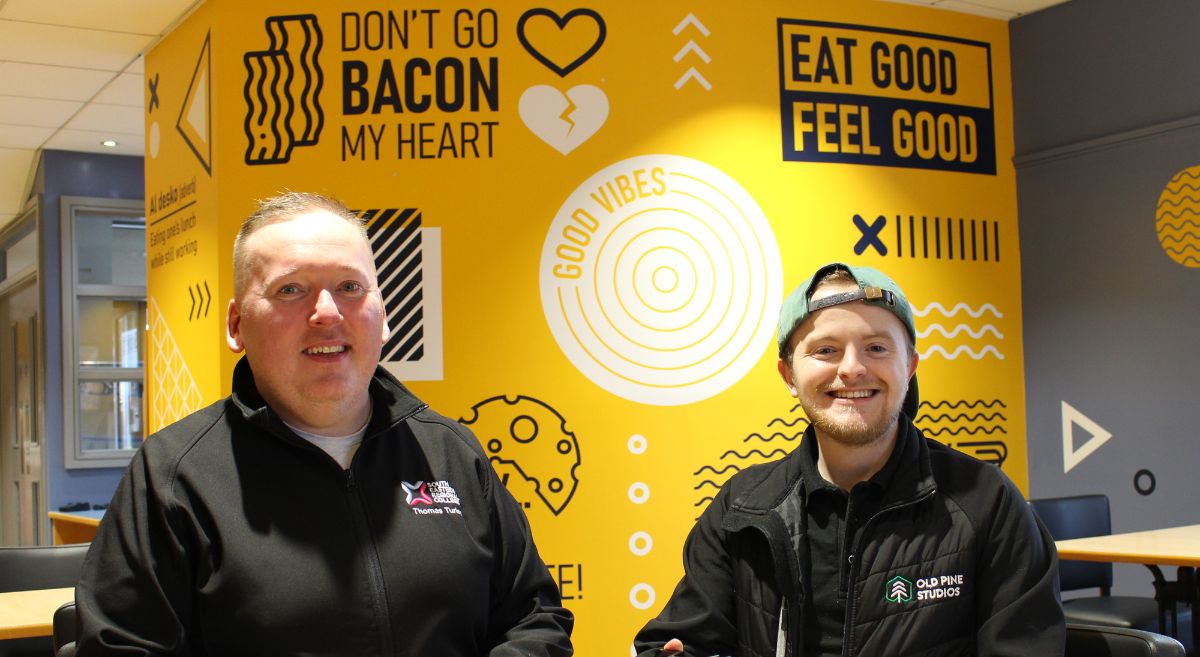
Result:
[
  {"x": 870, "y": 235},
  {"x": 153, "y": 94}
]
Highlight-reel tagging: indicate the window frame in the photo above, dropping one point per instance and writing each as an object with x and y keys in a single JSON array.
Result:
[{"x": 72, "y": 290}]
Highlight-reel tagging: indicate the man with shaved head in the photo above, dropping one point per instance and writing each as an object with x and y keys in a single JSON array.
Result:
[{"x": 321, "y": 509}]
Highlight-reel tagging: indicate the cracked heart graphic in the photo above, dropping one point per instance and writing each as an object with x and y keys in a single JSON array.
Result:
[
  {"x": 563, "y": 120},
  {"x": 559, "y": 47}
]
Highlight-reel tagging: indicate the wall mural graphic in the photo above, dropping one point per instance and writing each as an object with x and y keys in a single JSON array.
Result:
[
  {"x": 1178, "y": 218},
  {"x": 408, "y": 259},
  {"x": 660, "y": 278},
  {"x": 585, "y": 219},
  {"x": 982, "y": 338},
  {"x": 282, "y": 92},
  {"x": 562, "y": 119},
  {"x": 526, "y": 438}
]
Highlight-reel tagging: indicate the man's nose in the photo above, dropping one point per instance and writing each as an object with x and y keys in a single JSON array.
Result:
[
  {"x": 326, "y": 310},
  {"x": 851, "y": 365}
]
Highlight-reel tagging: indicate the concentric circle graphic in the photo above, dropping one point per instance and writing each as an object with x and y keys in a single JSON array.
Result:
[{"x": 661, "y": 280}]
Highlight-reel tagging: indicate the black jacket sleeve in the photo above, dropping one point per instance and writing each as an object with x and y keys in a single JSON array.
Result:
[
  {"x": 134, "y": 596},
  {"x": 527, "y": 617},
  {"x": 1018, "y": 607}
]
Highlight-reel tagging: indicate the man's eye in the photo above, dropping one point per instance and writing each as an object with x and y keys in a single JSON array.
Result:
[
  {"x": 352, "y": 287},
  {"x": 289, "y": 290}
]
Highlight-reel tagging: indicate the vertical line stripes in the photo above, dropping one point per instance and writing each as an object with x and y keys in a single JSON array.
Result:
[
  {"x": 950, "y": 238},
  {"x": 395, "y": 237}
]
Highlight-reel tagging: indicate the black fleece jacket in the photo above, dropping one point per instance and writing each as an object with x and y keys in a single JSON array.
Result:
[
  {"x": 229, "y": 535},
  {"x": 954, "y": 563}
]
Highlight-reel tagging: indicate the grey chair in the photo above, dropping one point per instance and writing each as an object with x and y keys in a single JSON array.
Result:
[
  {"x": 1088, "y": 515},
  {"x": 39, "y": 567},
  {"x": 1105, "y": 641}
]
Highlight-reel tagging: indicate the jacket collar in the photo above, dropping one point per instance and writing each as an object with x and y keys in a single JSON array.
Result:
[
  {"x": 768, "y": 488},
  {"x": 391, "y": 401}
]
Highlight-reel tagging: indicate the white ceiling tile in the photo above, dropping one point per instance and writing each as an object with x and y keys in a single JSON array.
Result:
[
  {"x": 978, "y": 9},
  {"x": 137, "y": 66},
  {"x": 23, "y": 136},
  {"x": 125, "y": 89},
  {"x": 15, "y": 164},
  {"x": 115, "y": 119},
  {"x": 86, "y": 141},
  {"x": 54, "y": 82},
  {"x": 41, "y": 112},
  {"x": 136, "y": 16},
  {"x": 69, "y": 46},
  {"x": 1017, "y": 6}
]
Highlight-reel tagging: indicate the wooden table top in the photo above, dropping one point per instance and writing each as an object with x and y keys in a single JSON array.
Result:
[
  {"x": 26, "y": 614},
  {"x": 91, "y": 518},
  {"x": 1174, "y": 546}
]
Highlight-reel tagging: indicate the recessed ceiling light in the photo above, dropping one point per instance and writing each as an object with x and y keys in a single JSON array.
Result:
[{"x": 109, "y": 143}]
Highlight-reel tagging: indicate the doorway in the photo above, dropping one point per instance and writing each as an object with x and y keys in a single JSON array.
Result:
[{"x": 21, "y": 492}]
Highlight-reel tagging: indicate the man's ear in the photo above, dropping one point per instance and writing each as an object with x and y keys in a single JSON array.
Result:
[
  {"x": 387, "y": 331},
  {"x": 233, "y": 328},
  {"x": 785, "y": 372}
]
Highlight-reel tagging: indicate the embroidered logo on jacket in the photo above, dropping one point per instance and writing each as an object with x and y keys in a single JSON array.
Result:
[
  {"x": 898, "y": 590},
  {"x": 934, "y": 587},
  {"x": 431, "y": 497}
]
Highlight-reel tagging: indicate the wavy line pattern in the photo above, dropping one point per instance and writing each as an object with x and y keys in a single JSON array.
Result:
[
  {"x": 1177, "y": 215},
  {"x": 962, "y": 402},
  {"x": 967, "y": 430},
  {"x": 784, "y": 436},
  {"x": 785, "y": 423},
  {"x": 958, "y": 351},
  {"x": 959, "y": 328},
  {"x": 1181, "y": 239},
  {"x": 707, "y": 482},
  {"x": 962, "y": 417},
  {"x": 934, "y": 305},
  {"x": 765, "y": 455},
  {"x": 716, "y": 471}
]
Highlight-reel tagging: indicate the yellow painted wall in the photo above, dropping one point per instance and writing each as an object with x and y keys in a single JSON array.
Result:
[{"x": 606, "y": 218}]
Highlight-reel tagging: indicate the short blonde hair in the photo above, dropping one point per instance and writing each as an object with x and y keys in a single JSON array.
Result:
[{"x": 282, "y": 207}]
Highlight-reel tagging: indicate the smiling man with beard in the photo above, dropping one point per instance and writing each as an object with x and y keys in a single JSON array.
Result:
[
  {"x": 321, "y": 508},
  {"x": 868, "y": 539}
]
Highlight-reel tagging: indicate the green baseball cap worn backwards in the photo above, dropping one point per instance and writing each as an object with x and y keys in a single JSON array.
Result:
[{"x": 874, "y": 287}]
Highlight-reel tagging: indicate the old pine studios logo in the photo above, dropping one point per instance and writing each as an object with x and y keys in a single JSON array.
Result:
[
  {"x": 935, "y": 587},
  {"x": 898, "y": 590}
]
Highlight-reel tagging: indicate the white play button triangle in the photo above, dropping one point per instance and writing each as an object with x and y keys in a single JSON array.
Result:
[{"x": 1073, "y": 456}]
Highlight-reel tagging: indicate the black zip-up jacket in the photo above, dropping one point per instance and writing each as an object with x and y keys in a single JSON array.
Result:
[
  {"x": 954, "y": 563},
  {"x": 229, "y": 535}
]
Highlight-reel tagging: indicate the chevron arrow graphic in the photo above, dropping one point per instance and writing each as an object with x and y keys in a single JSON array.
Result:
[
  {"x": 693, "y": 74},
  {"x": 690, "y": 19},
  {"x": 692, "y": 47}
]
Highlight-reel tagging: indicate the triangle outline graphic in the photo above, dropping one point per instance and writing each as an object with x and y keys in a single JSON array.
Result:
[
  {"x": 197, "y": 104},
  {"x": 1073, "y": 456}
]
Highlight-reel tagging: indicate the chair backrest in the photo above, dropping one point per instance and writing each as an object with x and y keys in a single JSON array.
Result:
[
  {"x": 40, "y": 567},
  {"x": 1104, "y": 641},
  {"x": 1078, "y": 517},
  {"x": 66, "y": 630}
]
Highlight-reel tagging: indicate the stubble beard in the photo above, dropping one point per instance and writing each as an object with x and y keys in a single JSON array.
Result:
[{"x": 849, "y": 429}]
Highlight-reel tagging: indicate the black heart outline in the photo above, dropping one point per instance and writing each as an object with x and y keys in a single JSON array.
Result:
[{"x": 561, "y": 22}]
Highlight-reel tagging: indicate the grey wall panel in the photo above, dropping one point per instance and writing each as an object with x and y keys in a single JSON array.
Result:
[
  {"x": 1107, "y": 113},
  {"x": 1089, "y": 68}
]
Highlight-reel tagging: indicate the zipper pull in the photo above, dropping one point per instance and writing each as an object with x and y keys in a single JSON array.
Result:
[{"x": 350, "y": 483}]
